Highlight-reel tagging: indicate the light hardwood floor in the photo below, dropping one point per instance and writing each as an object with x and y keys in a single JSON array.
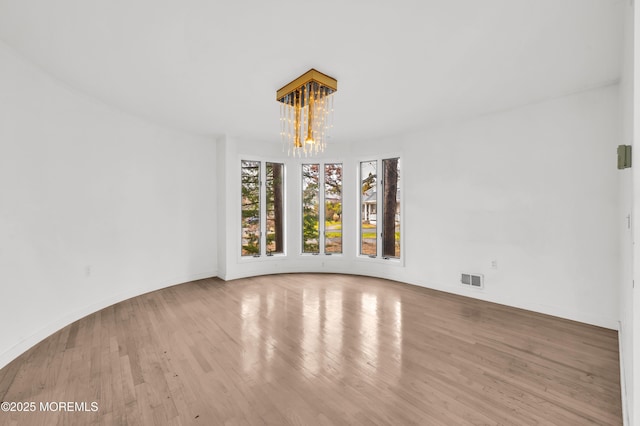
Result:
[{"x": 318, "y": 349}]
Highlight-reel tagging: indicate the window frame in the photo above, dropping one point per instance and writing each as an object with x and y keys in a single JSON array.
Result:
[
  {"x": 283, "y": 208},
  {"x": 322, "y": 163},
  {"x": 379, "y": 162},
  {"x": 263, "y": 254}
]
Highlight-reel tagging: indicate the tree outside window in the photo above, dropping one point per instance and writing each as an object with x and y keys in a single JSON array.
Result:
[
  {"x": 380, "y": 208},
  {"x": 250, "y": 172},
  {"x": 275, "y": 208},
  {"x": 322, "y": 228},
  {"x": 254, "y": 209},
  {"x": 310, "y": 211},
  {"x": 391, "y": 208},
  {"x": 333, "y": 208}
]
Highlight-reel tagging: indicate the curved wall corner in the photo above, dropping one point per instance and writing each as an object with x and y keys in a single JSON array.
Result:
[{"x": 97, "y": 206}]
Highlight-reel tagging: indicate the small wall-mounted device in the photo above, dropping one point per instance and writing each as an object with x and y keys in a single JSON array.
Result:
[{"x": 624, "y": 156}]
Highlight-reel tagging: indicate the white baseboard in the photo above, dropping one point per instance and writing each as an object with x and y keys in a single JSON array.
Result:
[
  {"x": 397, "y": 275},
  {"x": 66, "y": 319},
  {"x": 583, "y": 317}
]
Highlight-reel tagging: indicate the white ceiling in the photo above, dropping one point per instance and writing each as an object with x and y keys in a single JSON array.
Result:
[{"x": 213, "y": 67}]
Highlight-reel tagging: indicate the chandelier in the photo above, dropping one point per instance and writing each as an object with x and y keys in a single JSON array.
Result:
[{"x": 306, "y": 113}]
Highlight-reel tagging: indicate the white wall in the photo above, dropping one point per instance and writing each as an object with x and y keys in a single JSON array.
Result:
[
  {"x": 96, "y": 206},
  {"x": 624, "y": 223},
  {"x": 535, "y": 188},
  {"x": 634, "y": 396}
]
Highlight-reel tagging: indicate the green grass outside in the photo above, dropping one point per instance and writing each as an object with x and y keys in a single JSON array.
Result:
[{"x": 373, "y": 235}]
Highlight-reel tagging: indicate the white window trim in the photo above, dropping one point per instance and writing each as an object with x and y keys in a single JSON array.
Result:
[
  {"x": 263, "y": 256},
  {"x": 321, "y": 213},
  {"x": 378, "y": 258}
]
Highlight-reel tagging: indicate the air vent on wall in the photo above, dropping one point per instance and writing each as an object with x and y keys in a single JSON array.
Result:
[{"x": 472, "y": 280}]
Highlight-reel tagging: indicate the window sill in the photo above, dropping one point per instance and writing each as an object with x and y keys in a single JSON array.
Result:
[
  {"x": 390, "y": 261},
  {"x": 262, "y": 258}
]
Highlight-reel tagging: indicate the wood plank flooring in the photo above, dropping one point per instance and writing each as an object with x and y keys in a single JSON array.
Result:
[{"x": 312, "y": 349}]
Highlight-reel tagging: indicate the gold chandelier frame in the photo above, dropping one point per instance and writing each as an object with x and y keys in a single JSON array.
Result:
[{"x": 306, "y": 112}]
